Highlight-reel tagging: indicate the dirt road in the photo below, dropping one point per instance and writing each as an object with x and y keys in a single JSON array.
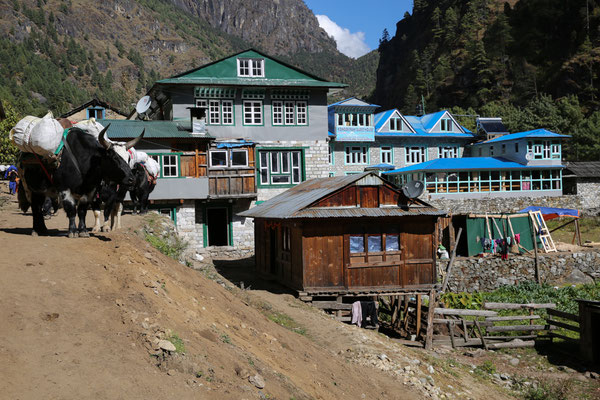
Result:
[{"x": 81, "y": 319}]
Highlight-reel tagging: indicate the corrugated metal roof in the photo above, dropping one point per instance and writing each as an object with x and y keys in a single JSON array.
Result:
[
  {"x": 422, "y": 134},
  {"x": 588, "y": 169},
  {"x": 536, "y": 133},
  {"x": 382, "y": 117},
  {"x": 353, "y": 101},
  {"x": 254, "y": 82},
  {"x": 292, "y": 202},
  {"x": 366, "y": 212},
  {"x": 466, "y": 164},
  {"x": 125, "y": 129}
]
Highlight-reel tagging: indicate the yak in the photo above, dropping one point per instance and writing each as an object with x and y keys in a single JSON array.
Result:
[
  {"x": 144, "y": 185},
  {"x": 84, "y": 163}
]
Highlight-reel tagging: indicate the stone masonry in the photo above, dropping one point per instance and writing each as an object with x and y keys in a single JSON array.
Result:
[{"x": 504, "y": 205}]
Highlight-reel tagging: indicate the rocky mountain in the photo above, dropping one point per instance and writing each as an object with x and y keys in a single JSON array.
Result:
[{"x": 59, "y": 53}]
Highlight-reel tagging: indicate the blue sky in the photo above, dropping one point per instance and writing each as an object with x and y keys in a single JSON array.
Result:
[{"x": 357, "y": 25}]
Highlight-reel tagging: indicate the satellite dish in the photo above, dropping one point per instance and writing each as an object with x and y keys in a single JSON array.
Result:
[
  {"x": 529, "y": 156},
  {"x": 413, "y": 189},
  {"x": 143, "y": 104}
]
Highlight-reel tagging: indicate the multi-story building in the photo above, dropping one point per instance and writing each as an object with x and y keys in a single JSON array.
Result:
[
  {"x": 267, "y": 121},
  {"x": 359, "y": 138}
]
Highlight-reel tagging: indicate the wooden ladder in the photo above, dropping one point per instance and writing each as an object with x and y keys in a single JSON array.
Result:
[{"x": 541, "y": 230}]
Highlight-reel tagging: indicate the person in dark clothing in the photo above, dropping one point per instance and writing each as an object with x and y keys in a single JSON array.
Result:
[{"x": 369, "y": 310}]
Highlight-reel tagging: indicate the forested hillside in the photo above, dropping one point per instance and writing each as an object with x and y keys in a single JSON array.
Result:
[
  {"x": 57, "y": 54},
  {"x": 533, "y": 62}
]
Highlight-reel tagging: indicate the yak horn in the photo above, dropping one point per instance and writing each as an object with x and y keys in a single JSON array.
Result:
[
  {"x": 105, "y": 143},
  {"x": 134, "y": 142}
]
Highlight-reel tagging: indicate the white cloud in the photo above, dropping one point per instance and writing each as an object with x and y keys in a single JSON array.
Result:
[{"x": 351, "y": 44}]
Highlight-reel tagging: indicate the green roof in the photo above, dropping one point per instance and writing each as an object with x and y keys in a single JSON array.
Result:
[
  {"x": 127, "y": 129},
  {"x": 224, "y": 72}
]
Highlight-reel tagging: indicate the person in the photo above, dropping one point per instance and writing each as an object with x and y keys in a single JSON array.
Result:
[{"x": 12, "y": 176}]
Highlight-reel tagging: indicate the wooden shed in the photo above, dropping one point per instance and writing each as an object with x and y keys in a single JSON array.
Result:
[{"x": 356, "y": 234}]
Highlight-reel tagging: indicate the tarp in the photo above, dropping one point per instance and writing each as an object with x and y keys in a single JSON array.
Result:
[
  {"x": 477, "y": 231},
  {"x": 229, "y": 145},
  {"x": 550, "y": 213}
]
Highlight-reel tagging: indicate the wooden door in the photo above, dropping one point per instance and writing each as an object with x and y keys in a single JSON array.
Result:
[{"x": 418, "y": 254}]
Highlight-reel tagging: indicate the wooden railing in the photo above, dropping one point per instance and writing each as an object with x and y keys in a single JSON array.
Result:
[{"x": 239, "y": 182}]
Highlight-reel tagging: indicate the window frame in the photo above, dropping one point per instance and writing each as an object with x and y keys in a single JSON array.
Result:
[
  {"x": 397, "y": 121},
  {"x": 164, "y": 165},
  {"x": 385, "y": 152},
  {"x": 409, "y": 151},
  {"x": 446, "y": 125},
  {"x": 356, "y": 155},
  {"x": 251, "y": 67},
  {"x": 295, "y": 166},
  {"x": 451, "y": 150},
  {"x": 253, "y": 113}
]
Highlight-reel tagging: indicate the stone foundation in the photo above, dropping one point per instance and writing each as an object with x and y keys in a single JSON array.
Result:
[
  {"x": 503, "y": 205},
  {"x": 489, "y": 273}
]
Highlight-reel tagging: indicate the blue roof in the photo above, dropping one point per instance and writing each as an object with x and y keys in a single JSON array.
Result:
[
  {"x": 429, "y": 120},
  {"x": 421, "y": 134},
  {"x": 341, "y": 102},
  {"x": 468, "y": 163},
  {"x": 536, "y": 133},
  {"x": 380, "y": 166},
  {"x": 381, "y": 117}
]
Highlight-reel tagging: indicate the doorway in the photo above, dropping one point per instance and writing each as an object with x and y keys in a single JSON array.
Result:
[{"x": 217, "y": 226}]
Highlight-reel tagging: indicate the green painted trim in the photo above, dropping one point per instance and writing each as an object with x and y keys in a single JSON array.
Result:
[
  {"x": 229, "y": 209},
  {"x": 279, "y": 149},
  {"x": 358, "y": 145},
  {"x": 160, "y": 162},
  {"x": 381, "y": 153}
]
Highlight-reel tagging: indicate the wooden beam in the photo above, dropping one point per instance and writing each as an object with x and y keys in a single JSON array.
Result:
[
  {"x": 511, "y": 328},
  {"x": 535, "y": 252},
  {"x": 483, "y": 342},
  {"x": 516, "y": 306},
  {"x": 562, "y": 314},
  {"x": 563, "y": 225},
  {"x": 430, "y": 314},
  {"x": 513, "y": 318},
  {"x": 563, "y": 325},
  {"x": 449, "y": 269},
  {"x": 512, "y": 345},
  {"x": 455, "y": 311},
  {"x": 418, "y": 315}
]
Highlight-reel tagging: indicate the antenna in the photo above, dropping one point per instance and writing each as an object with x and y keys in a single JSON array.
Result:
[
  {"x": 529, "y": 156},
  {"x": 413, "y": 189},
  {"x": 143, "y": 105}
]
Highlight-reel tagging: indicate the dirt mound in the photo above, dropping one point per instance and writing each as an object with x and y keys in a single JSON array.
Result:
[{"x": 110, "y": 317}]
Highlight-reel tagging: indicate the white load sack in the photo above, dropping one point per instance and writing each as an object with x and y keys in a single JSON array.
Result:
[
  {"x": 90, "y": 126},
  {"x": 152, "y": 167},
  {"x": 136, "y": 156},
  {"x": 37, "y": 135}
]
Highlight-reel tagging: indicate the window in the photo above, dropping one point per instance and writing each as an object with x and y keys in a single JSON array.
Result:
[
  {"x": 375, "y": 243},
  {"x": 280, "y": 167},
  {"x": 395, "y": 124},
  {"x": 97, "y": 113},
  {"x": 555, "y": 146},
  {"x": 169, "y": 166},
  {"x": 387, "y": 155},
  {"x": 354, "y": 120},
  {"x": 253, "y": 113},
  {"x": 214, "y": 115},
  {"x": 227, "y": 112},
  {"x": 491, "y": 151},
  {"x": 448, "y": 152},
  {"x": 416, "y": 155},
  {"x": 446, "y": 125},
  {"x": 286, "y": 238},
  {"x": 356, "y": 155},
  {"x": 228, "y": 158},
  {"x": 331, "y": 155},
  {"x": 289, "y": 113},
  {"x": 251, "y": 67},
  {"x": 239, "y": 158},
  {"x": 218, "y": 158},
  {"x": 277, "y": 111},
  {"x": 516, "y": 147},
  {"x": 202, "y": 103},
  {"x": 503, "y": 149}
]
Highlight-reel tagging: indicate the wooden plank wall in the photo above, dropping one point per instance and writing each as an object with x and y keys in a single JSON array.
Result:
[{"x": 366, "y": 196}]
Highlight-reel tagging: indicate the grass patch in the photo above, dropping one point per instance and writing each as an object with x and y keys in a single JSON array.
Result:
[
  {"x": 589, "y": 227},
  {"x": 171, "y": 248},
  {"x": 177, "y": 342},
  {"x": 225, "y": 338},
  {"x": 286, "y": 321},
  {"x": 549, "y": 390}
]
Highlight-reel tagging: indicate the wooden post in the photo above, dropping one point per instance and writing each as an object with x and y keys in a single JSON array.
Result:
[
  {"x": 577, "y": 231},
  {"x": 430, "y": 314},
  {"x": 449, "y": 269},
  {"x": 196, "y": 168},
  {"x": 418, "y": 315},
  {"x": 535, "y": 252}
]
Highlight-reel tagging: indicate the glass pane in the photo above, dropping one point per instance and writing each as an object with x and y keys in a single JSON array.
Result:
[
  {"x": 264, "y": 178},
  {"x": 238, "y": 158},
  {"x": 218, "y": 158},
  {"x": 281, "y": 179},
  {"x": 296, "y": 159},
  {"x": 285, "y": 161},
  {"x": 374, "y": 243},
  {"x": 296, "y": 175},
  {"x": 357, "y": 244},
  {"x": 274, "y": 163},
  {"x": 391, "y": 243},
  {"x": 264, "y": 160}
]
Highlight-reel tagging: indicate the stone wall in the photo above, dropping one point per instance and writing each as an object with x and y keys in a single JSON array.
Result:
[
  {"x": 589, "y": 191},
  {"x": 503, "y": 205},
  {"x": 187, "y": 227},
  {"x": 489, "y": 273}
]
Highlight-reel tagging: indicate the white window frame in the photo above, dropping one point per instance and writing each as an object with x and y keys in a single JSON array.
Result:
[
  {"x": 284, "y": 162},
  {"x": 396, "y": 124},
  {"x": 289, "y": 114},
  {"x": 251, "y": 67},
  {"x": 211, "y": 152},
  {"x": 277, "y": 112},
  {"x": 357, "y": 155},
  {"x": 252, "y": 112},
  {"x": 449, "y": 152},
  {"x": 301, "y": 113},
  {"x": 227, "y": 113},
  {"x": 555, "y": 150},
  {"x": 331, "y": 155},
  {"x": 167, "y": 165},
  {"x": 415, "y": 154},
  {"x": 214, "y": 112},
  {"x": 387, "y": 154},
  {"x": 245, "y": 151}
]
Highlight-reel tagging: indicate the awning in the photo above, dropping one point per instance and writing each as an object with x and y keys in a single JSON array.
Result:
[{"x": 551, "y": 213}]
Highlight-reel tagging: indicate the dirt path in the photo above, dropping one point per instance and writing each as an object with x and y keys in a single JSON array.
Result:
[{"x": 81, "y": 319}]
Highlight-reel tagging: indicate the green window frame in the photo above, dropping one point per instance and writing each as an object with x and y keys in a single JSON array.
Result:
[
  {"x": 289, "y": 113},
  {"x": 280, "y": 167},
  {"x": 219, "y": 112},
  {"x": 446, "y": 125},
  {"x": 356, "y": 155},
  {"x": 395, "y": 124},
  {"x": 160, "y": 157},
  {"x": 386, "y": 154}
]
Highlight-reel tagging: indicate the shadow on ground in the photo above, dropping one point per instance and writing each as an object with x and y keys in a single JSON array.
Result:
[{"x": 243, "y": 274}]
